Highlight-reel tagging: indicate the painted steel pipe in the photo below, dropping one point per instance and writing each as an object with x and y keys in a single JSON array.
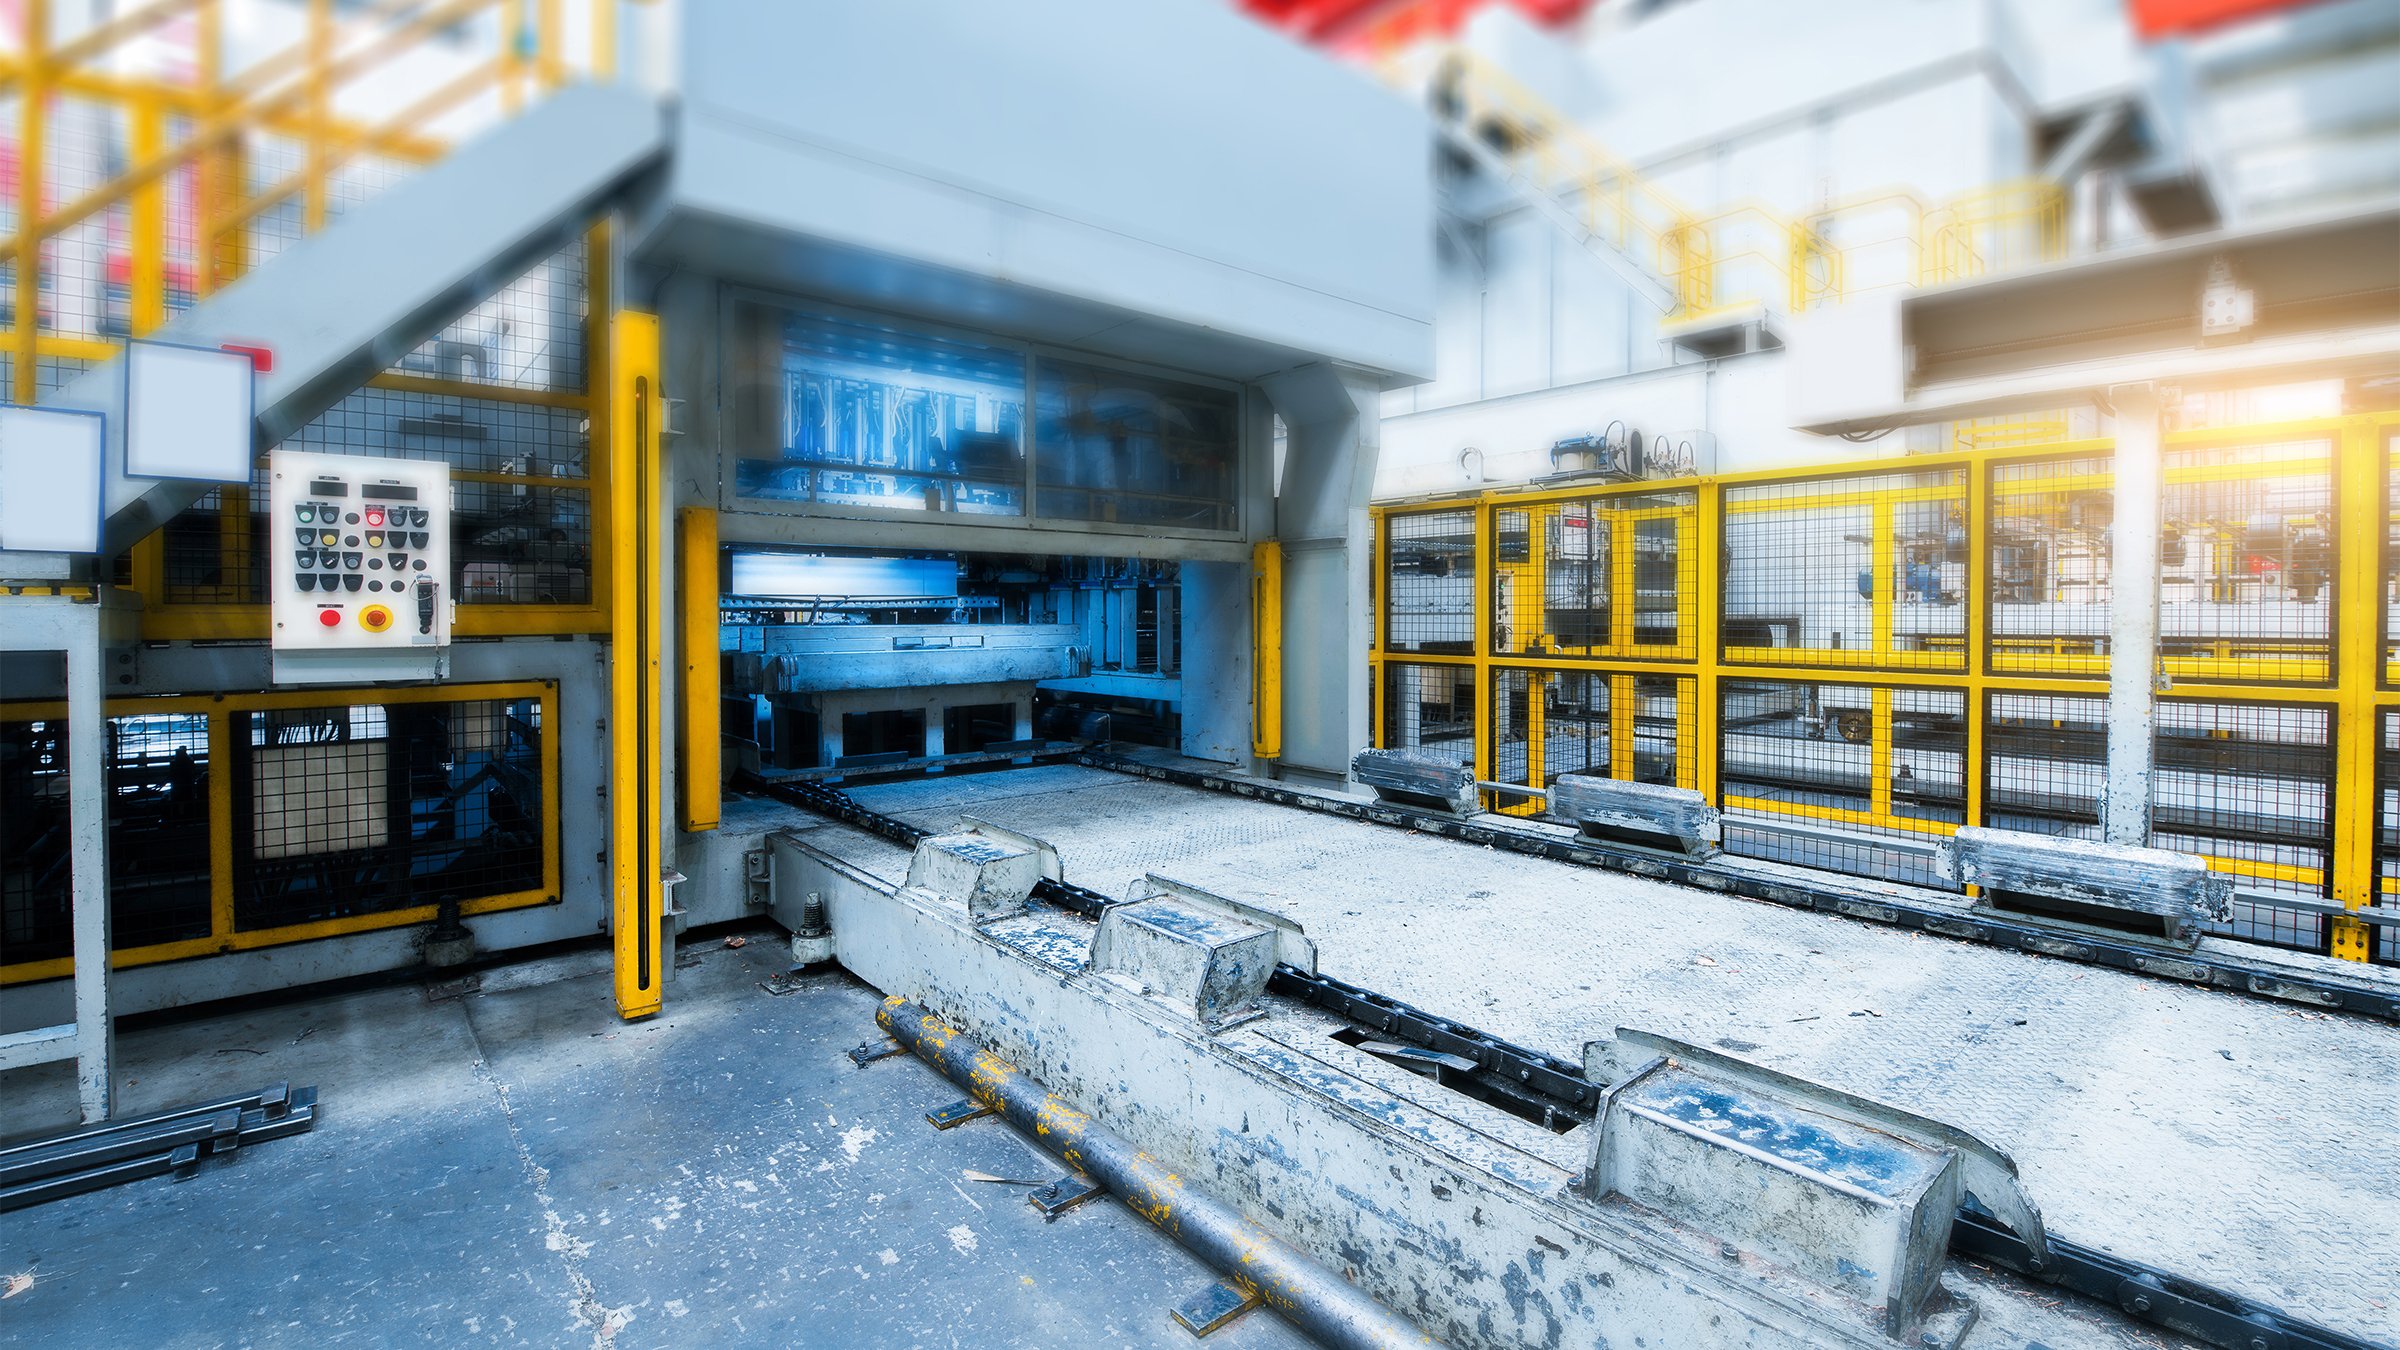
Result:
[{"x": 1312, "y": 1298}]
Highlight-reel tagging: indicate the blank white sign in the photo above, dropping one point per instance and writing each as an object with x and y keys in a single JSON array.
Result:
[
  {"x": 187, "y": 413},
  {"x": 50, "y": 465}
]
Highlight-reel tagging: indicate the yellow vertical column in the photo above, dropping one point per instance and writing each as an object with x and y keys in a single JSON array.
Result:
[
  {"x": 1976, "y": 596},
  {"x": 1621, "y": 598},
  {"x": 33, "y": 107},
  {"x": 1266, "y": 654},
  {"x": 1621, "y": 709},
  {"x": 1880, "y": 565},
  {"x": 637, "y": 911},
  {"x": 1486, "y": 574},
  {"x": 320, "y": 112},
  {"x": 696, "y": 727},
  {"x": 147, "y": 267},
  {"x": 1707, "y": 576},
  {"x": 1879, "y": 756},
  {"x": 2360, "y": 497}
]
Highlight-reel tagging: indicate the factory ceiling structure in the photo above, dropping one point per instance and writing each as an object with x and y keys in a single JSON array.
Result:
[{"x": 1285, "y": 673}]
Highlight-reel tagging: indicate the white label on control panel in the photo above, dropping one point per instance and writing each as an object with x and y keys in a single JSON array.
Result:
[{"x": 361, "y": 553}]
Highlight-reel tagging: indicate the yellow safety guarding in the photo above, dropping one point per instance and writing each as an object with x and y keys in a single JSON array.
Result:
[
  {"x": 232, "y": 829},
  {"x": 161, "y": 169},
  {"x": 636, "y": 711},
  {"x": 1854, "y": 660},
  {"x": 698, "y": 778},
  {"x": 1266, "y": 660}
]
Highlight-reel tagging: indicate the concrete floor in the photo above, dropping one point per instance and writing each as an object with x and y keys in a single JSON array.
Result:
[
  {"x": 2244, "y": 1143},
  {"x": 515, "y": 1166}
]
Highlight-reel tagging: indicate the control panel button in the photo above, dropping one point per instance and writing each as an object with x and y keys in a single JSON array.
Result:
[
  {"x": 331, "y": 618},
  {"x": 351, "y": 560},
  {"x": 305, "y": 536},
  {"x": 351, "y": 581},
  {"x": 329, "y": 539},
  {"x": 351, "y": 519},
  {"x": 350, "y": 541},
  {"x": 304, "y": 558},
  {"x": 307, "y": 511},
  {"x": 307, "y": 581},
  {"x": 399, "y": 560},
  {"x": 416, "y": 538},
  {"x": 374, "y": 541},
  {"x": 374, "y": 585},
  {"x": 374, "y": 564},
  {"x": 328, "y": 581},
  {"x": 374, "y": 516},
  {"x": 374, "y": 618},
  {"x": 419, "y": 564}
]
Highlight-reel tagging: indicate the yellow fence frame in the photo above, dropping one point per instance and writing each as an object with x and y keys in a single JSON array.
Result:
[
  {"x": 223, "y": 936},
  {"x": 2354, "y": 686}
]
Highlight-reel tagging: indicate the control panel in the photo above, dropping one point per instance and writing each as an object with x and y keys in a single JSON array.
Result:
[{"x": 360, "y": 579}]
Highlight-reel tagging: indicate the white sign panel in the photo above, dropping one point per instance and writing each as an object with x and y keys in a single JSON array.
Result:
[
  {"x": 188, "y": 413},
  {"x": 50, "y": 472}
]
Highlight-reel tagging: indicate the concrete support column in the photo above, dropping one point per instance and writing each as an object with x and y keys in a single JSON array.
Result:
[
  {"x": 1330, "y": 417},
  {"x": 2133, "y": 621},
  {"x": 1216, "y": 641}
]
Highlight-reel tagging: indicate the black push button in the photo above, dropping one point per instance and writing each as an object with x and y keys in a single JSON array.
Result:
[
  {"x": 305, "y": 558},
  {"x": 327, "y": 581},
  {"x": 305, "y": 536},
  {"x": 351, "y": 519},
  {"x": 350, "y": 540},
  {"x": 419, "y": 564},
  {"x": 350, "y": 560},
  {"x": 307, "y": 580},
  {"x": 352, "y": 580},
  {"x": 416, "y": 538},
  {"x": 374, "y": 585}
]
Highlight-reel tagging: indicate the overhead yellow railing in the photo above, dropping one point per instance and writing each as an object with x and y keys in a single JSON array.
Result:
[
  {"x": 1748, "y": 254},
  {"x": 134, "y": 193}
]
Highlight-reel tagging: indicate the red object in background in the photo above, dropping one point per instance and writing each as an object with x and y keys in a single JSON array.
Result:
[
  {"x": 1361, "y": 24},
  {"x": 2171, "y": 18},
  {"x": 262, "y": 359}
]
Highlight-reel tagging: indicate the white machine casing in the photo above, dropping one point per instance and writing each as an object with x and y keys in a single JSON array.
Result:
[{"x": 375, "y": 603}]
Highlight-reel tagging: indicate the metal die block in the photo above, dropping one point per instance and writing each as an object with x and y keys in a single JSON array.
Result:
[
  {"x": 1653, "y": 816},
  {"x": 1063, "y": 1194},
  {"x": 1414, "y": 778},
  {"x": 2087, "y": 879},
  {"x": 956, "y": 1113},
  {"x": 990, "y": 876},
  {"x": 1205, "y": 960},
  {"x": 1861, "y": 1212},
  {"x": 1213, "y": 1308}
]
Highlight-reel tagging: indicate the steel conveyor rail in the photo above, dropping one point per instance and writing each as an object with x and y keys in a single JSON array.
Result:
[
  {"x": 1513, "y": 1077},
  {"x": 2214, "y": 969}
]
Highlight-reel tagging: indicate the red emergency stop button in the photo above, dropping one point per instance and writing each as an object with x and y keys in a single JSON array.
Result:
[
  {"x": 331, "y": 618},
  {"x": 375, "y": 618}
]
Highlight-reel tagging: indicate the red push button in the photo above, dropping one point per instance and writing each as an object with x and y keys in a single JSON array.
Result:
[
  {"x": 331, "y": 618},
  {"x": 374, "y": 516}
]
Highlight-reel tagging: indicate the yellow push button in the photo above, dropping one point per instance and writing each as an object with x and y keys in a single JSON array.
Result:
[{"x": 375, "y": 618}]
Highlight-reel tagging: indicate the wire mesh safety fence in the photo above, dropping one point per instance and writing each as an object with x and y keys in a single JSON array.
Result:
[
  {"x": 2045, "y": 763},
  {"x": 2047, "y": 560},
  {"x": 2386, "y": 938},
  {"x": 1429, "y": 582},
  {"x": 2251, "y": 785},
  {"x": 2246, "y": 563},
  {"x": 366, "y": 808},
  {"x": 1614, "y": 576},
  {"x": 1863, "y": 570},
  {"x": 1546, "y": 723},
  {"x": 1850, "y": 778},
  {"x": 1430, "y": 708},
  {"x": 1799, "y": 711},
  {"x": 336, "y": 818}
]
